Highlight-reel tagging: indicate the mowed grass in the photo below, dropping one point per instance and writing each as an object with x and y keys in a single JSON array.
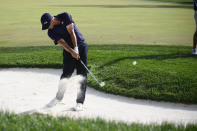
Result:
[
  {"x": 162, "y": 73},
  {"x": 100, "y": 21},
  {"x": 38, "y": 122}
]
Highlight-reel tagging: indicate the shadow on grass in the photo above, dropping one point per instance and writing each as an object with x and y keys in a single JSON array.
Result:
[
  {"x": 132, "y": 47},
  {"x": 155, "y": 57},
  {"x": 128, "y": 6}
]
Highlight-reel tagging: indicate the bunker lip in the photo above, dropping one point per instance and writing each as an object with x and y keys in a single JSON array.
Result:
[{"x": 28, "y": 90}]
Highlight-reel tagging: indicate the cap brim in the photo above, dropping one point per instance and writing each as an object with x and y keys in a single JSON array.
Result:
[{"x": 46, "y": 26}]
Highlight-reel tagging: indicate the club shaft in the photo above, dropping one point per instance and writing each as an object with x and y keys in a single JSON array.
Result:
[{"x": 89, "y": 71}]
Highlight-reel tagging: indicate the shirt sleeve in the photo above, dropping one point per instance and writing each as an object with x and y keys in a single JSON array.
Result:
[
  {"x": 54, "y": 36},
  {"x": 65, "y": 17}
]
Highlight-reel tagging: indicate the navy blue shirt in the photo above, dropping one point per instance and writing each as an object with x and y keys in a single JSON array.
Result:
[{"x": 60, "y": 32}]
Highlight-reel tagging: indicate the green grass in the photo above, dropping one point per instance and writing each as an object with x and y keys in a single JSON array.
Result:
[
  {"x": 100, "y": 21},
  {"x": 162, "y": 73},
  {"x": 38, "y": 122}
]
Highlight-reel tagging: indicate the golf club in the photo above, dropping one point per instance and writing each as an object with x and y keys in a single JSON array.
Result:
[{"x": 101, "y": 84}]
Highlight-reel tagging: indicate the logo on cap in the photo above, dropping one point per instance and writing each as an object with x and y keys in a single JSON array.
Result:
[{"x": 45, "y": 22}]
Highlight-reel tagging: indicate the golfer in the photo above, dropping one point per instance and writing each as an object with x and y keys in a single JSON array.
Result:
[
  {"x": 63, "y": 31},
  {"x": 194, "y": 50}
]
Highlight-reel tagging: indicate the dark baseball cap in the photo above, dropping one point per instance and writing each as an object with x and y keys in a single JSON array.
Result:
[{"x": 45, "y": 20}]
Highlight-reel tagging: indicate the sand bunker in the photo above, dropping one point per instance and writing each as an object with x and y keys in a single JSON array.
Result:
[{"x": 27, "y": 90}]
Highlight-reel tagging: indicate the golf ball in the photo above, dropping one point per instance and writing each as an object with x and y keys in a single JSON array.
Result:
[
  {"x": 134, "y": 62},
  {"x": 102, "y": 84}
]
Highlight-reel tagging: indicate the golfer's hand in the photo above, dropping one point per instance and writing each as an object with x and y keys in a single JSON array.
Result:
[
  {"x": 75, "y": 55},
  {"x": 76, "y": 50}
]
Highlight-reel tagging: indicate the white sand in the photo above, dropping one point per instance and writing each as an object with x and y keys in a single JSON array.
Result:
[{"x": 29, "y": 89}]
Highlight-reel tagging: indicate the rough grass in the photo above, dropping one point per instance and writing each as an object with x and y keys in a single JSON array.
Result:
[
  {"x": 36, "y": 122},
  {"x": 162, "y": 73}
]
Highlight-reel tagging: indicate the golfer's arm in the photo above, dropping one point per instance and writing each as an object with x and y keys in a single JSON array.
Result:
[
  {"x": 64, "y": 44},
  {"x": 70, "y": 29}
]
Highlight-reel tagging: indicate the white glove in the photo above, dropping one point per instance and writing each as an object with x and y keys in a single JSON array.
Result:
[{"x": 76, "y": 50}]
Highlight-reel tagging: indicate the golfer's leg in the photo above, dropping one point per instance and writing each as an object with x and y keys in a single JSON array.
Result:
[
  {"x": 82, "y": 71},
  {"x": 68, "y": 69},
  {"x": 195, "y": 40},
  {"x": 81, "y": 93}
]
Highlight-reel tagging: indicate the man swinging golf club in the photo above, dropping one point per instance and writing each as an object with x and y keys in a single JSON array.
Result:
[{"x": 63, "y": 31}]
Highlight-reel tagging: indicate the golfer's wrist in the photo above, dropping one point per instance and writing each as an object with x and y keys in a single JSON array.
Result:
[{"x": 76, "y": 49}]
